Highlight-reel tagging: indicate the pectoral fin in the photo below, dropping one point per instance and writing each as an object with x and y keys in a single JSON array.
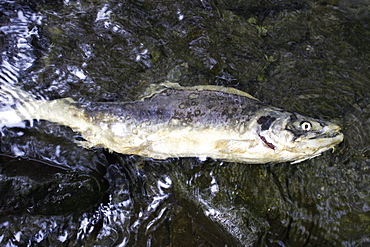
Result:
[{"x": 233, "y": 146}]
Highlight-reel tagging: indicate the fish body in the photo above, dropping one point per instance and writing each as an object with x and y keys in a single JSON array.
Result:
[{"x": 173, "y": 121}]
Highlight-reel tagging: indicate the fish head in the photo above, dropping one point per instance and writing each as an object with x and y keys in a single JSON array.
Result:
[{"x": 296, "y": 138}]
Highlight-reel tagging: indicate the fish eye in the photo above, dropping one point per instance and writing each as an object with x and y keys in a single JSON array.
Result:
[{"x": 306, "y": 126}]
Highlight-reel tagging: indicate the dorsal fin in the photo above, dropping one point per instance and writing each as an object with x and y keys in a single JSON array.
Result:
[{"x": 158, "y": 88}]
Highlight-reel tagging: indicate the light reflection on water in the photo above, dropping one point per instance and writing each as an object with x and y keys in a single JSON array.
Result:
[
  {"x": 111, "y": 51},
  {"x": 19, "y": 29}
]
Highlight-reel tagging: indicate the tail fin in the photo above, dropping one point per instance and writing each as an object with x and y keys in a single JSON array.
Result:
[{"x": 16, "y": 105}]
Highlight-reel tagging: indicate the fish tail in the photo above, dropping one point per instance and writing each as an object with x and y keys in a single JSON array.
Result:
[{"x": 16, "y": 105}]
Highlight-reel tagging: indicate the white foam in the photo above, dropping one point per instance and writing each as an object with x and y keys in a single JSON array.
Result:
[{"x": 10, "y": 118}]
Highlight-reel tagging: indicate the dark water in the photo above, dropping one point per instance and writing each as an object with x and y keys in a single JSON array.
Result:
[{"x": 312, "y": 57}]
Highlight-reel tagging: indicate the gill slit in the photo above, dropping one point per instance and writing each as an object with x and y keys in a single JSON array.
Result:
[{"x": 268, "y": 144}]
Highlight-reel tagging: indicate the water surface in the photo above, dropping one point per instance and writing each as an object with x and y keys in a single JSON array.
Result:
[{"x": 311, "y": 57}]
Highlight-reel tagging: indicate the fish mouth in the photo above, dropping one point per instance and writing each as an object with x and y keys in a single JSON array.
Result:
[{"x": 331, "y": 134}]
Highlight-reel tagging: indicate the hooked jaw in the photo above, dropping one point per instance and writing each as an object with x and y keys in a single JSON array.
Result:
[
  {"x": 330, "y": 136},
  {"x": 330, "y": 131},
  {"x": 321, "y": 143}
]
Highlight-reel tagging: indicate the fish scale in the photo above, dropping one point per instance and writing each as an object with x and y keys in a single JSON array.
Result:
[
  {"x": 171, "y": 121},
  {"x": 203, "y": 111}
]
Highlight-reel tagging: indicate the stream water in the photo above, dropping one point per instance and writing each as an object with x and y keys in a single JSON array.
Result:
[{"x": 310, "y": 57}]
